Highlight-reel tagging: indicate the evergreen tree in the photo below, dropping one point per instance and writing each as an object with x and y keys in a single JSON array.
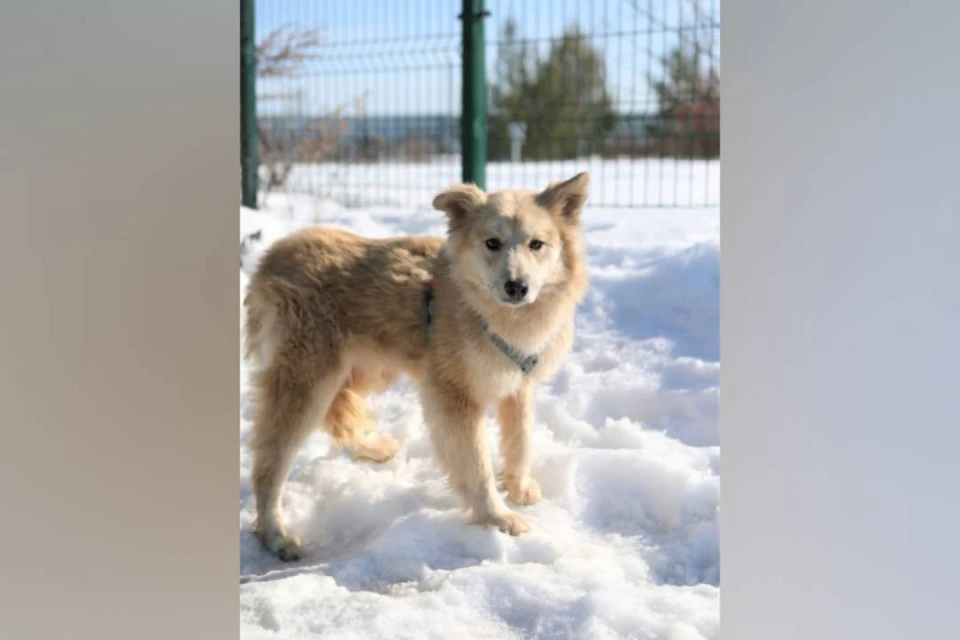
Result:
[
  {"x": 689, "y": 105},
  {"x": 562, "y": 98}
]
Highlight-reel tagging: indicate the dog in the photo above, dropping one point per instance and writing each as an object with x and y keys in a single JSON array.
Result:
[{"x": 478, "y": 319}]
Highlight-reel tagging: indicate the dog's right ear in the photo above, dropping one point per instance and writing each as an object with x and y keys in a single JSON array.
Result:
[{"x": 459, "y": 201}]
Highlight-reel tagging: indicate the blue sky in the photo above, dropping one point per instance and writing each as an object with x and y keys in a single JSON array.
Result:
[{"x": 402, "y": 56}]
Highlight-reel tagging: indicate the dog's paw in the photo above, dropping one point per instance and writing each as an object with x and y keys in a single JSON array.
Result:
[
  {"x": 283, "y": 545},
  {"x": 525, "y": 494},
  {"x": 376, "y": 447},
  {"x": 507, "y": 522}
]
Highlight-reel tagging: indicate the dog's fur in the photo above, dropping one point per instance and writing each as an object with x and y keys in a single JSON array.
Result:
[{"x": 332, "y": 317}]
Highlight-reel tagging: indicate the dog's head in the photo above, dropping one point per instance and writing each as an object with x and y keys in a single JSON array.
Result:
[{"x": 513, "y": 245}]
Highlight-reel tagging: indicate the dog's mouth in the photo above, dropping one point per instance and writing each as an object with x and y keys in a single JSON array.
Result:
[{"x": 513, "y": 304}]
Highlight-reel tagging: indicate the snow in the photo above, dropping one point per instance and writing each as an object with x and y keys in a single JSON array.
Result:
[
  {"x": 625, "y": 543},
  {"x": 666, "y": 182}
]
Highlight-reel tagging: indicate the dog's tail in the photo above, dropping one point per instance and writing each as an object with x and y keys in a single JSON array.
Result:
[{"x": 261, "y": 328}]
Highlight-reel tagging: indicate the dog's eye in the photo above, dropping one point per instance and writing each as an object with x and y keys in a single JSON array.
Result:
[
  {"x": 493, "y": 244},
  {"x": 536, "y": 245}
]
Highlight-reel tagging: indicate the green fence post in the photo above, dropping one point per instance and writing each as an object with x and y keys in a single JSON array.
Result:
[
  {"x": 249, "y": 140},
  {"x": 473, "y": 124}
]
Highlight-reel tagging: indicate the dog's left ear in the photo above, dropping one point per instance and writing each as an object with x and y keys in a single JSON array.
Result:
[
  {"x": 566, "y": 198},
  {"x": 459, "y": 201}
]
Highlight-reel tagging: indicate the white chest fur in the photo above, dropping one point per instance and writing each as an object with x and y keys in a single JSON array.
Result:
[{"x": 495, "y": 376}]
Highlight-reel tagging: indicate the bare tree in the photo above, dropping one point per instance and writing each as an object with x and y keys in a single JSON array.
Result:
[
  {"x": 283, "y": 53},
  {"x": 285, "y": 49}
]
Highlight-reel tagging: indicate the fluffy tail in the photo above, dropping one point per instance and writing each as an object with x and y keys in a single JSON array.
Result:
[{"x": 261, "y": 325}]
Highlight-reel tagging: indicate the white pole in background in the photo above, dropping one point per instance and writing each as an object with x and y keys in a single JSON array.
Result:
[{"x": 517, "y": 132}]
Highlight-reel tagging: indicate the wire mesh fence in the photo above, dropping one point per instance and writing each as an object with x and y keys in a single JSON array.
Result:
[{"x": 360, "y": 102}]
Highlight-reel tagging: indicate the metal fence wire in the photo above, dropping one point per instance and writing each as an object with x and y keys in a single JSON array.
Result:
[{"x": 361, "y": 101}]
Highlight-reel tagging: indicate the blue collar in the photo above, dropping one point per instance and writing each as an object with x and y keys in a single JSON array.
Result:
[{"x": 526, "y": 362}]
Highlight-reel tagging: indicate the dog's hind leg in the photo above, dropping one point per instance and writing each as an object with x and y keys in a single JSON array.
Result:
[
  {"x": 291, "y": 403},
  {"x": 351, "y": 427}
]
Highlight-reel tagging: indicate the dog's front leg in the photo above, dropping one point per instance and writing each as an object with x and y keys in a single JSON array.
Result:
[
  {"x": 457, "y": 429},
  {"x": 515, "y": 415}
]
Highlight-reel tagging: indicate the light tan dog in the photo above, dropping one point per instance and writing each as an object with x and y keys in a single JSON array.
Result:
[{"x": 478, "y": 319}]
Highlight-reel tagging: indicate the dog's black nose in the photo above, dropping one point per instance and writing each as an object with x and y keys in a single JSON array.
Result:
[{"x": 516, "y": 289}]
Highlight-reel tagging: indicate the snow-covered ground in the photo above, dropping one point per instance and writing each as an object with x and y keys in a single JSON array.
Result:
[
  {"x": 623, "y": 181},
  {"x": 625, "y": 543}
]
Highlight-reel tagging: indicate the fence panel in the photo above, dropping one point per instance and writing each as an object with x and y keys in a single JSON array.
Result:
[
  {"x": 628, "y": 89},
  {"x": 360, "y": 102}
]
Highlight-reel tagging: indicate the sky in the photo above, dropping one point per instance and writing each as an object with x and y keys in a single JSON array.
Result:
[{"x": 402, "y": 57}]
